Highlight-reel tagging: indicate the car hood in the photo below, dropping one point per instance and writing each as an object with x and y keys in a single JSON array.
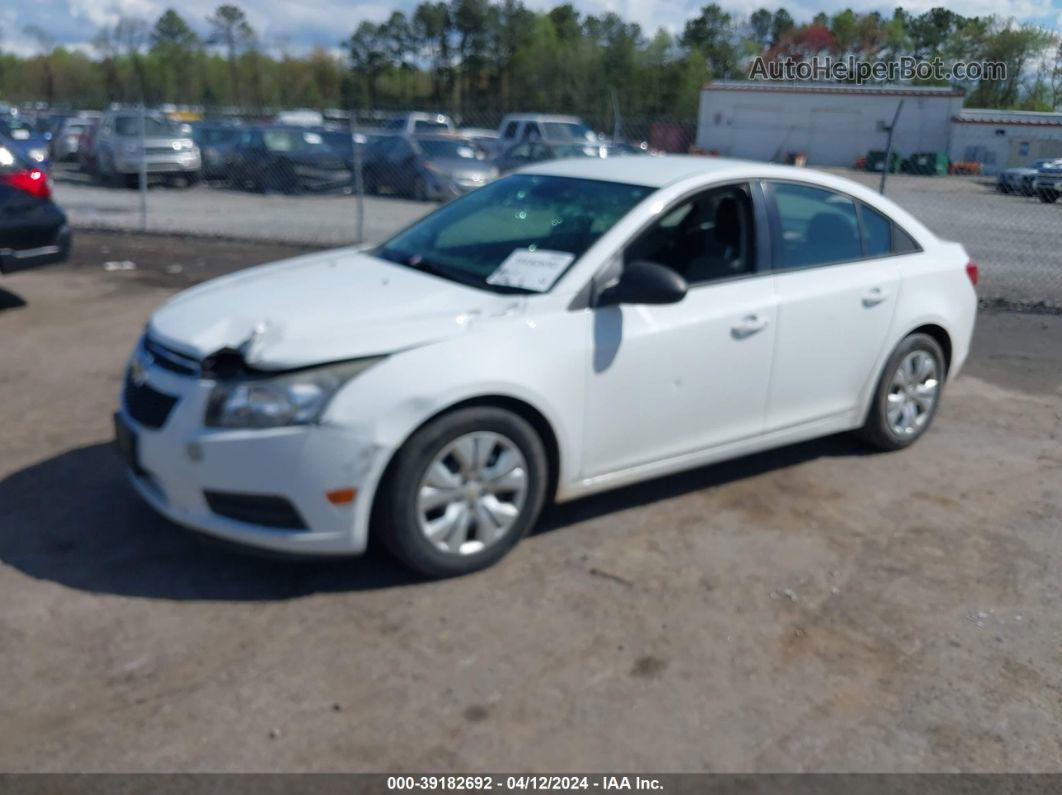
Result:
[
  {"x": 323, "y": 308},
  {"x": 1019, "y": 172}
]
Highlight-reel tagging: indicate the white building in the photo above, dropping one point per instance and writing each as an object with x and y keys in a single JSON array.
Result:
[
  {"x": 836, "y": 124},
  {"x": 1000, "y": 139}
]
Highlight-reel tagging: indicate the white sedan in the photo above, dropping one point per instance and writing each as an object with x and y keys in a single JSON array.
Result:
[{"x": 574, "y": 327}]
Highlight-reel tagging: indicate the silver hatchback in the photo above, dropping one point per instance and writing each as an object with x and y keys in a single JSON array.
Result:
[{"x": 163, "y": 149}]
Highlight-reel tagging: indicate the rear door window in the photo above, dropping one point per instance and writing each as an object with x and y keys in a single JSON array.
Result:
[
  {"x": 877, "y": 233},
  {"x": 815, "y": 226}
]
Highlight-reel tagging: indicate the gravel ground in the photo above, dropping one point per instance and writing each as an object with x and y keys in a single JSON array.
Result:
[
  {"x": 1015, "y": 239},
  {"x": 209, "y": 211},
  {"x": 813, "y": 608}
]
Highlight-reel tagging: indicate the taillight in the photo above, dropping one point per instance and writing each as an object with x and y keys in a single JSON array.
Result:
[
  {"x": 34, "y": 182},
  {"x": 973, "y": 272}
]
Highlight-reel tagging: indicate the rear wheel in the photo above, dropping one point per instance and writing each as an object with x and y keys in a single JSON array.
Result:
[
  {"x": 462, "y": 491},
  {"x": 907, "y": 394}
]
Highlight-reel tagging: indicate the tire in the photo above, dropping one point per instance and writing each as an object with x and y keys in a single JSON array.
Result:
[
  {"x": 883, "y": 429},
  {"x": 1048, "y": 196},
  {"x": 399, "y": 516}
]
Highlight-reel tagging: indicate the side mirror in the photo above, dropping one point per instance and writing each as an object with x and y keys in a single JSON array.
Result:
[{"x": 645, "y": 282}]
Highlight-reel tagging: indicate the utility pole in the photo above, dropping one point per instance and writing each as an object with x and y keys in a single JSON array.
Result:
[{"x": 888, "y": 148}]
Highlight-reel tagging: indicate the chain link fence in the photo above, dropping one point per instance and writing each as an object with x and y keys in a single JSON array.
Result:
[{"x": 339, "y": 179}]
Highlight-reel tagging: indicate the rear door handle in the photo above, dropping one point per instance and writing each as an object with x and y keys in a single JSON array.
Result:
[
  {"x": 747, "y": 326},
  {"x": 874, "y": 296}
]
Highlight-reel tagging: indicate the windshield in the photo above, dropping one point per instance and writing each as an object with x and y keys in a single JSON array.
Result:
[
  {"x": 16, "y": 128},
  {"x": 564, "y": 130},
  {"x": 468, "y": 239},
  {"x": 293, "y": 141},
  {"x": 153, "y": 126},
  {"x": 444, "y": 147}
]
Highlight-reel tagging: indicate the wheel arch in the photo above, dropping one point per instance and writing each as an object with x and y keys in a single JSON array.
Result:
[
  {"x": 932, "y": 329},
  {"x": 523, "y": 409},
  {"x": 940, "y": 335}
]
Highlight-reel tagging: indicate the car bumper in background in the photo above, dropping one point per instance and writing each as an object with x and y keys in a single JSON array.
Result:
[
  {"x": 19, "y": 259},
  {"x": 264, "y": 488},
  {"x": 159, "y": 164}
]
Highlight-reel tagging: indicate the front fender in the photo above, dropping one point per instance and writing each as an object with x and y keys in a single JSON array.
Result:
[{"x": 539, "y": 362}]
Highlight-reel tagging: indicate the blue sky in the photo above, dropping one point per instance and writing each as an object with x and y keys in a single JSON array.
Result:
[{"x": 302, "y": 24}]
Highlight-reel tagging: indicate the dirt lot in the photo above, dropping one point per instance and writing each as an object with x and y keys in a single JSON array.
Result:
[{"x": 814, "y": 608}]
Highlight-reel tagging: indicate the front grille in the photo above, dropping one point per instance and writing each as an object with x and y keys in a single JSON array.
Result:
[
  {"x": 160, "y": 150},
  {"x": 146, "y": 405},
  {"x": 260, "y": 509},
  {"x": 169, "y": 359}
]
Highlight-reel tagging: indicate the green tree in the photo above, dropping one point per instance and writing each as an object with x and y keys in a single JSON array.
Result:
[
  {"x": 175, "y": 47},
  {"x": 230, "y": 30},
  {"x": 712, "y": 33}
]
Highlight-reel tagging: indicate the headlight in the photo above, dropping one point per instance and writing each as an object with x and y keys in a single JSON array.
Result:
[
  {"x": 296, "y": 398},
  {"x": 40, "y": 155}
]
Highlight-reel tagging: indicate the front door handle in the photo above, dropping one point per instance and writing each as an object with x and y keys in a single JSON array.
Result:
[
  {"x": 874, "y": 296},
  {"x": 747, "y": 326}
]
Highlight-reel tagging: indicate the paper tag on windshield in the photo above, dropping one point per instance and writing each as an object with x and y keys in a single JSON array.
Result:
[{"x": 531, "y": 270}]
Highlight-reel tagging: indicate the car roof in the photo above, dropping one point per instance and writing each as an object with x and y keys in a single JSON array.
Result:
[
  {"x": 658, "y": 172},
  {"x": 542, "y": 117}
]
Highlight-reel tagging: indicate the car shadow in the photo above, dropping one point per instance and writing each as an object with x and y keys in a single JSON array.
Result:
[
  {"x": 74, "y": 520},
  {"x": 9, "y": 300},
  {"x": 706, "y": 477}
]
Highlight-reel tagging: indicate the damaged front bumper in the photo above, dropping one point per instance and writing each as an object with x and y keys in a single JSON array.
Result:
[{"x": 266, "y": 488}]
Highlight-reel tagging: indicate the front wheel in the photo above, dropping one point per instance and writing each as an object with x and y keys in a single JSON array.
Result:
[
  {"x": 1048, "y": 196},
  {"x": 907, "y": 394},
  {"x": 462, "y": 491}
]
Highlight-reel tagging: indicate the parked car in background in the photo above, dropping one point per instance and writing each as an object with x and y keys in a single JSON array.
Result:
[
  {"x": 64, "y": 144},
  {"x": 571, "y": 329},
  {"x": 301, "y": 117},
  {"x": 167, "y": 151},
  {"x": 1047, "y": 184},
  {"x": 487, "y": 140},
  {"x": 287, "y": 160},
  {"x": 1020, "y": 180},
  {"x": 33, "y": 230},
  {"x": 25, "y": 139},
  {"x": 86, "y": 147},
  {"x": 528, "y": 152},
  {"x": 544, "y": 127},
  {"x": 216, "y": 142},
  {"x": 341, "y": 140},
  {"x": 427, "y": 167},
  {"x": 418, "y": 122}
]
